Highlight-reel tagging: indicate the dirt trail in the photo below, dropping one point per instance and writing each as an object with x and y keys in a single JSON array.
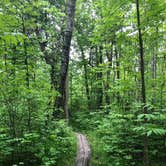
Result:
[{"x": 83, "y": 152}]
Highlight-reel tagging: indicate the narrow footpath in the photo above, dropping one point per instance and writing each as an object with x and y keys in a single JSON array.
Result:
[{"x": 83, "y": 151}]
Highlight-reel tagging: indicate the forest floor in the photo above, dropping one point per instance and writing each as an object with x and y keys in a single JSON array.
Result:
[{"x": 83, "y": 152}]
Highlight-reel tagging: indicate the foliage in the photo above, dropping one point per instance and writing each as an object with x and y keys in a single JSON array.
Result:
[
  {"x": 55, "y": 142},
  {"x": 118, "y": 139},
  {"x": 28, "y": 133},
  {"x": 104, "y": 84}
]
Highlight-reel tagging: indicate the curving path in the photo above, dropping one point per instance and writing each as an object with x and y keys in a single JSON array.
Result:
[{"x": 83, "y": 152}]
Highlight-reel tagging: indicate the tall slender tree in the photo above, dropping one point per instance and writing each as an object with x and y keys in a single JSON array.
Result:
[{"x": 143, "y": 90}]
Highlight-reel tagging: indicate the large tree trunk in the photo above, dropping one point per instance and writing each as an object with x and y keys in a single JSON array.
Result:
[
  {"x": 143, "y": 90},
  {"x": 61, "y": 102}
]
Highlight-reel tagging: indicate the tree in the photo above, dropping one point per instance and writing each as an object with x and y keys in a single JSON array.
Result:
[
  {"x": 61, "y": 102},
  {"x": 143, "y": 91}
]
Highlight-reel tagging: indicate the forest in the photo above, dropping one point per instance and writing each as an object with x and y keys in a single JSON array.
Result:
[{"x": 82, "y": 83}]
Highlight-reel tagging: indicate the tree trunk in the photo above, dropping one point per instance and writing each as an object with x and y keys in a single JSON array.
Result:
[
  {"x": 61, "y": 102},
  {"x": 143, "y": 90},
  {"x": 99, "y": 75},
  {"x": 86, "y": 77},
  {"x": 107, "y": 87},
  {"x": 154, "y": 67},
  {"x": 26, "y": 63},
  {"x": 117, "y": 70}
]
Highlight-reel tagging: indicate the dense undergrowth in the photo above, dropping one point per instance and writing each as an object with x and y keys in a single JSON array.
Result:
[
  {"x": 114, "y": 85},
  {"x": 42, "y": 147},
  {"x": 117, "y": 138}
]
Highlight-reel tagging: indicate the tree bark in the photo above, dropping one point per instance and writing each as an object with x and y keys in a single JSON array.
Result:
[
  {"x": 143, "y": 90},
  {"x": 86, "y": 77},
  {"x": 61, "y": 101},
  {"x": 99, "y": 77},
  {"x": 154, "y": 67},
  {"x": 107, "y": 87},
  {"x": 117, "y": 69},
  {"x": 26, "y": 63}
]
